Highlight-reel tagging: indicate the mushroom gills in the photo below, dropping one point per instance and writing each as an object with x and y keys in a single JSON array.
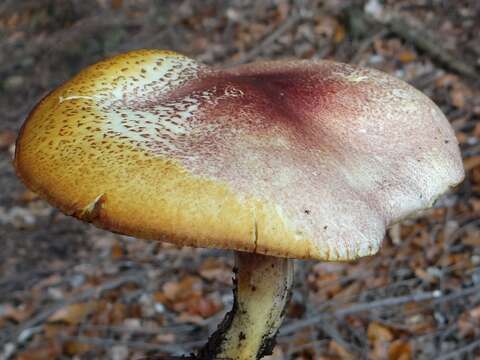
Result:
[{"x": 262, "y": 291}]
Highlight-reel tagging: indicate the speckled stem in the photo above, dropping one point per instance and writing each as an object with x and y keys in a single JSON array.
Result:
[{"x": 262, "y": 291}]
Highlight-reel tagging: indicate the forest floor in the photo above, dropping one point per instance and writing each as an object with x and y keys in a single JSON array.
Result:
[{"x": 69, "y": 290}]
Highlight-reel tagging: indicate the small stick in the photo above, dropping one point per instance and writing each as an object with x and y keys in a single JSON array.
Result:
[
  {"x": 268, "y": 40},
  {"x": 424, "y": 41},
  {"x": 456, "y": 354},
  {"x": 140, "y": 345},
  {"x": 135, "y": 277},
  {"x": 393, "y": 301}
]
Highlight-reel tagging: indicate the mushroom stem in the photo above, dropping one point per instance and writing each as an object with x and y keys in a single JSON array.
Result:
[{"x": 262, "y": 290}]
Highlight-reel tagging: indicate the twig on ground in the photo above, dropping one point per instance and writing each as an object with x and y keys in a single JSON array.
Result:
[
  {"x": 298, "y": 348},
  {"x": 457, "y": 353},
  {"x": 388, "y": 302},
  {"x": 287, "y": 24},
  {"x": 82, "y": 29},
  {"x": 425, "y": 41},
  {"x": 365, "y": 44},
  {"x": 17, "y": 335},
  {"x": 177, "y": 328},
  {"x": 413, "y": 32},
  {"x": 140, "y": 345},
  {"x": 335, "y": 335}
]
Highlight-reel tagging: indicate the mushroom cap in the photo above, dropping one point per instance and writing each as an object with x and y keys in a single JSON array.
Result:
[{"x": 302, "y": 159}]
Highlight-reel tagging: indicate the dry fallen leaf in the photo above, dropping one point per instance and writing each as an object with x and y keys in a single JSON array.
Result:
[
  {"x": 48, "y": 351},
  {"x": 215, "y": 269},
  {"x": 328, "y": 26},
  {"x": 379, "y": 337},
  {"x": 466, "y": 328},
  {"x": 277, "y": 354},
  {"x": 73, "y": 347},
  {"x": 377, "y": 331},
  {"x": 461, "y": 137},
  {"x": 400, "y": 350},
  {"x": 74, "y": 313},
  {"x": 187, "y": 298},
  {"x": 53, "y": 330},
  {"x": 17, "y": 314},
  {"x": 406, "y": 56},
  {"x": 446, "y": 80},
  {"x": 472, "y": 237},
  {"x": 7, "y": 138},
  {"x": 469, "y": 323},
  {"x": 459, "y": 95},
  {"x": 475, "y": 178},
  {"x": 351, "y": 290},
  {"x": 203, "y": 306},
  {"x": 28, "y": 196},
  {"x": 418, "y": 323},
  {"x": 168, "y": 338},
  {"x": 117, "y": 313},
  {"x": 182, "y": 290},
  {"x": 116, "y": 4},
  {"x": 324, "y": 285},
  {"x": 339, "y": 34},
  {"x": 116, "y": 251},
  {"x": 471, "y": 162},
  {"x": 337, "y": 349},
  {"x": 475, "y": 313},
  {"x": 476, "y": 131}
]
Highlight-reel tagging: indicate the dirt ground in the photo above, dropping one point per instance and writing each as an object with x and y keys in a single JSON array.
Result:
[{"x": 69, "y": 290}]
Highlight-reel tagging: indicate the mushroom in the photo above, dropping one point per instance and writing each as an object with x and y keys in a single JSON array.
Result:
[{"x": 274, "y": 160}]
